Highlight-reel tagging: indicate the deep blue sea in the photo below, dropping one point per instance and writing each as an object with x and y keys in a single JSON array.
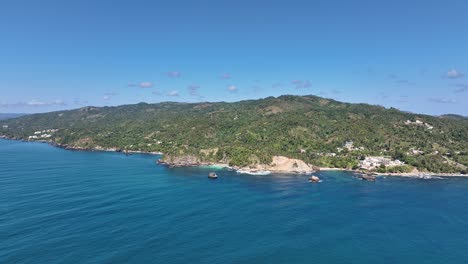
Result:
[{"x": 60, "y": 206}]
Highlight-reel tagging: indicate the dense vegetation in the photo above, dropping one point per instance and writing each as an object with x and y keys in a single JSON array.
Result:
[{"x": 304, "y": 127}]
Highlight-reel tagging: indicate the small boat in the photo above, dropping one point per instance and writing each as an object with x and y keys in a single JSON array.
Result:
[{"x": 212, "y": 175}]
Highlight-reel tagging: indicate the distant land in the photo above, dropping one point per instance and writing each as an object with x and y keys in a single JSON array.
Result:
[
  {"x": 4, "y": 116},
  {"x": 315, "y": 131},
  {"x": 453, "y": 116}
]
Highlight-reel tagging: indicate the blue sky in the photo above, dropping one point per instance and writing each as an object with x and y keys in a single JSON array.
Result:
[{"x": 412, "y": 55}]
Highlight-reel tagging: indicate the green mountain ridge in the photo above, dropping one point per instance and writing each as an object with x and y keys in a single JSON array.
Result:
[{"x": 309, "y": 128}]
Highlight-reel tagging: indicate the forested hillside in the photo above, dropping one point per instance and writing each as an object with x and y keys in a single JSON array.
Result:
[{"x": 309, "y": 128}]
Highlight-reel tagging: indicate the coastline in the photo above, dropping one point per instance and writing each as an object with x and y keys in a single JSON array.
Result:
[
  {"x": 74, "y": 148},
  {"x": 421, "y": 174},
  {"x": 215, "y": 165},
  {"x": 403, "y": 174}
]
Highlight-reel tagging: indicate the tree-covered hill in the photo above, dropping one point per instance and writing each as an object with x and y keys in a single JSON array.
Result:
[{"x": 309, "y": 128}]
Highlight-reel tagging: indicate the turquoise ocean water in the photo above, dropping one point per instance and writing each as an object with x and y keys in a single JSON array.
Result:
[{"x": 59, "y": 206}]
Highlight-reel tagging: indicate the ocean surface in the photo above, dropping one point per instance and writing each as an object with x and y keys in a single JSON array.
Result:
[{"x": 60, "y": 206}]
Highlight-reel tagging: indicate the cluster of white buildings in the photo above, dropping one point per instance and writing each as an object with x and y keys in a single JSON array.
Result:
[
  {"x": 374, "y": 162},
  {"x": 418, "y": 123},
  {"x": 5, "y": 126},
  {"x": 44, "y": 134}
]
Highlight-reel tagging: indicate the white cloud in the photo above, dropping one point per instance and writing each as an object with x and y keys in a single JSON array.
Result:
[
  {"x": 33, "y": 103},
  {"x": 232, "y": 88},
  {"x": 59, "y": 102},
  {"x": 146, "y": 84},
  {"x": 174, "y": 74},
  {"x": 301, "y": 84},
  {"x": 106, "y": 97},
  {"x": 36, "y": 103},
  {"x": 80, "y": 102},
  {"x": 173, "y": 93},
  {"x": 454, "y": 74},
  {"x": 193, "y": 89},
  {"x": 442, "y": 100}
]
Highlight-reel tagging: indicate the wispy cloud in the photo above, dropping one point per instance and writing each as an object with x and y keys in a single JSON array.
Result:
[
  {"x": 454, "y": 74},
  {"x": 399, "y": 80},
  {"x": 145, "y": 84},
  {"x": 392, "y": 76},
  {"x": 276, "y": 85},
  {"x": 461, "y": 88},
  {"x": 108, "y": 96},
  {"x": 305, "y": 84},
  {"x": 193, "y": 89},
  {"x": 407, "y": 82},
  {"x": 80, "y": 102},
  {"x": 232, "y": 88},
  {"x": 299, "y": 84},
  {"x": 36, "y": 103},
  {"x": 442, "y": 100},
  {"x": 225, "y": 76},
  {"x": 141, "y": 84},
  {"x": 174, "y": 74},
  {"x": 33, "y": 103},
  {"x": 59, "y": 102},
  {"x": 173, "y": 93}
]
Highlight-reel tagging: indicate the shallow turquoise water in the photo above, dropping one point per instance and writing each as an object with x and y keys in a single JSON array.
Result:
[{"x": 59, "y": 206}]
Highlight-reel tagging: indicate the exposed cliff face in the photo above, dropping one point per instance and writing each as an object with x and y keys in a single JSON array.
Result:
[
  {"x": 281, "y": 163},
  {"x": 285, "y": 164}
]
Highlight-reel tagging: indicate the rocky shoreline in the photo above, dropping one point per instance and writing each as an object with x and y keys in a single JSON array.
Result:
[
  {"x": 78, "y": 148},
  {"x": 99, "y": 148},
  {"x": 280, "y": 164},
  {"x": 422, "y": 174}
]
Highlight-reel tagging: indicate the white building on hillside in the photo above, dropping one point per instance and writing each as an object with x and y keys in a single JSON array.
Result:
[{"x": 374, "y": 162}]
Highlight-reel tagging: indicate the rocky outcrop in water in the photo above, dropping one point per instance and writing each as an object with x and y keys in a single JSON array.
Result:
[{"x": 314, "y": 178}]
